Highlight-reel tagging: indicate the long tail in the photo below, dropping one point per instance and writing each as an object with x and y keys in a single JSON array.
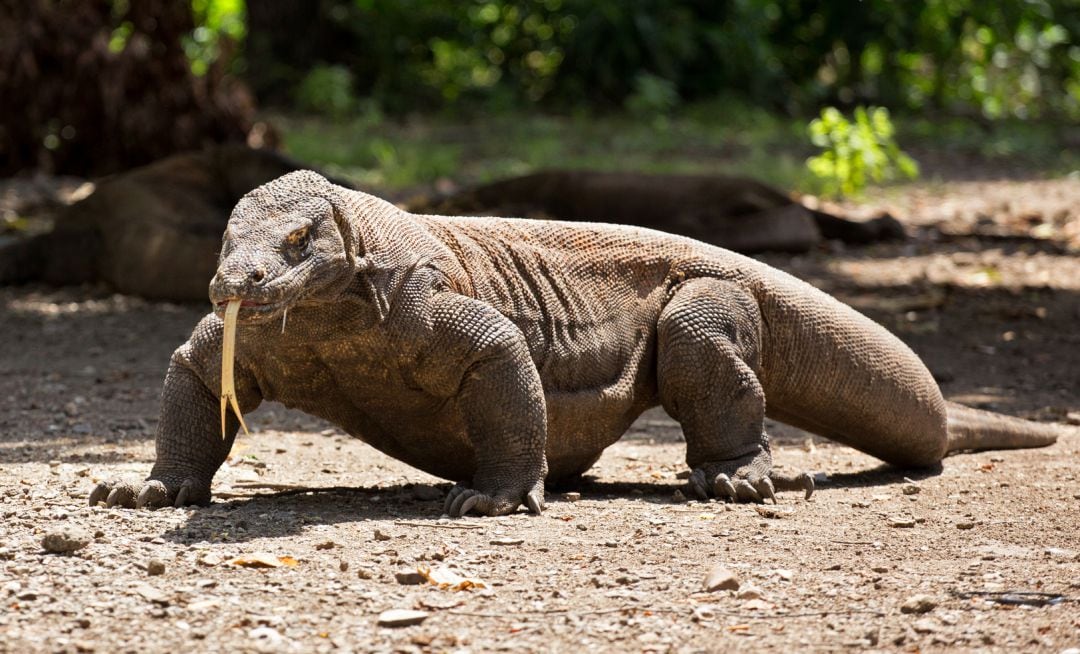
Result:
[{"x": 974, "y": 429}]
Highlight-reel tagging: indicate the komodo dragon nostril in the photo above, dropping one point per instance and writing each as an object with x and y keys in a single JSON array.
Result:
[{"x": 257, "y": 275}]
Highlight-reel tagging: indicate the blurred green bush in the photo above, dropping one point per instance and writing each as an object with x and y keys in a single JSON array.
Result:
[
  {"x": 857, "y": 152},
  {"x": 1004, "y": 59}
]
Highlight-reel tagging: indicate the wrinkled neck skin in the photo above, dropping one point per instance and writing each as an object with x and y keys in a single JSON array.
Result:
[{"x": 386, "y": 250}]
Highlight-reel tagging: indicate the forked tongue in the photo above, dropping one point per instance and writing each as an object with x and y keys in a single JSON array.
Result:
[{"x": 228, "y": 355}]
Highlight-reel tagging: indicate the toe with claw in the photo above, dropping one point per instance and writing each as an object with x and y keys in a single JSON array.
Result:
[
  {"x": 150, "y": 494},
  {"x": 744, "y": 484},
  {"x": 463, "y": 499}
]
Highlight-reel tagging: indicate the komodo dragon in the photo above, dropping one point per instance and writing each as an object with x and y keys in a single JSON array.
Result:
[
  {"x": 500, "y": 352},
  {"x": 737, "y": 213}
]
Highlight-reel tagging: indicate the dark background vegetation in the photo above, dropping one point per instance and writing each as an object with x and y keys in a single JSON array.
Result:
[{"x": 380, "y": 88}]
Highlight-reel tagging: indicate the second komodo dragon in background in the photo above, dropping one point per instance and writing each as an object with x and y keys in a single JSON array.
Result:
[{"x": 499, "y": 353}]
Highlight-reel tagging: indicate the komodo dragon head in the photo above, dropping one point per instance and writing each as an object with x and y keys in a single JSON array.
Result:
[{"x": 288, "y": 242}]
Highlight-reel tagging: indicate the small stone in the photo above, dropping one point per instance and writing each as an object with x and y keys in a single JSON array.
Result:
[
  {"x": 750, "y": 593},
  {"x": 924, "y": 626},
  {"x": 571, "y": 497},
  {"x": 380, "y": 535},
  {"x": 409, "y": 577},
  {"x": 678, "y": 497},
  {"x": 965, "y": 524},
  {"x": 154, "y": 567},
  {"x": 364, "y": 573},
  {"x": 327, "y": 545},
  {"x": 67, "y": 539},
  {"x": 343, "y": 565},
  {"x": 720, "y": 578},
  {"x": 401, "y": 618},
  {"x": 772, "y": 512},
  {"x": 880, "y": 569},
  {"x": 911, "y": 489},
  {"x": 151, "y": 594},
  {"x": 901, "y": 522},
  {"x": 918, "y": 604},
  {"x": 209, "y": 559},
  {"x": 507, "y": 541}
]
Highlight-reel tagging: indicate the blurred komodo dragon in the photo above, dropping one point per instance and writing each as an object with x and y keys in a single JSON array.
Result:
[
  {"x": 737, "y": 213},
  {"x": 156, "y": 231},
  {"x": 500, "y": 352}
]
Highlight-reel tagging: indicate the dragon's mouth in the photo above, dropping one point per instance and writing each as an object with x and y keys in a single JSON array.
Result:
[{"x": 250, "y": 310}]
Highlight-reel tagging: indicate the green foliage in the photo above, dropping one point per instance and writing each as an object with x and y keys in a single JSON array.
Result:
[
  {"x": 217, "y": 22},
  {"x": 327, "y": 90},
  {"x": 1006, "y": 59},
  {"x": 857, "y": 152}
]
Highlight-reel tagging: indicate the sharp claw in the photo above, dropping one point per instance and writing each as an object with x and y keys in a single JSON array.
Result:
[
  {"x": 470, "y": 502},
  {"x": 535, "y": 502},
  {"x": 808, "y": 484},
  {"x": 100, "y": 492},
  {"x": 450, "y": 495},
  {"x": 113, "y": 498},
  {"x": 455, "y": 507},
  {"x": 181, "y": 496},
  {"x": 747, "y": 490},
  {"x": 722, "y": 486},
  {"x": 144, "y": 497},
  {"x": 698, "y": 486},
  {"x": 765, "y": 487}
]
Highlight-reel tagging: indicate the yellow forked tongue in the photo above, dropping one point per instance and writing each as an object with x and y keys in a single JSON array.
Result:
[{"x": 228, "y": 352}]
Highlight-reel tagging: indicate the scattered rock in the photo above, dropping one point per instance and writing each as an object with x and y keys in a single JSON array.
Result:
[
  {"x": 401, "y": 618},
  {"x": 507, "y": 541},
  {"x": 151, "y": 594},
  {"x": 965, "y": 524},
  {"x": 772, "y": 511},
  {"x": 571, "y": 497},
  {"x": 918, "y": 604},
  {"x": 924, "y": 626},
  {"x": 155, "y": 567},
  {"x": 911, "y": 489},
  {"x": 65, "y": 539},
  {"x": 678, "y": 497},
  {"x": 327, "y": 545},
  {"x": 720, "y": 578},
  {"x": 750, "y": 593},
  {"x": 409, "y": 577},
  {"x": 343, "y": 565},
  {"x": 902, "y": 522},
  {"x": 380, "y": 535},
  {"x": 210, "y": 559}
]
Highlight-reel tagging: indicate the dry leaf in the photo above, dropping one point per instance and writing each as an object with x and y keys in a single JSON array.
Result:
[
  {"x": 264, "y": 560},
  {"x": 447, "y": 579}
]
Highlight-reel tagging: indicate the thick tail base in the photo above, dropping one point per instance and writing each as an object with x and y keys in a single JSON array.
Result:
[{"x": 974, "y": 429}]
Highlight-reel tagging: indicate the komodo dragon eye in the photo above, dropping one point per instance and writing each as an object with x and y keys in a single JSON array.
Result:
[{"x": 298, "y": 238}]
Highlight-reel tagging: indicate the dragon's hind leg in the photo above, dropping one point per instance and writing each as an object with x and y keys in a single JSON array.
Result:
[{"x": 708, "y": 370}]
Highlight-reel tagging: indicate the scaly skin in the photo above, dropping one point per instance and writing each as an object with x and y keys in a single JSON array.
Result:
[{"x": 500, "y": 353}]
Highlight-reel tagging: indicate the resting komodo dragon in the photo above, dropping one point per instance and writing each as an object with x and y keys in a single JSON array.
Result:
[{"x": 499, "y": 352}]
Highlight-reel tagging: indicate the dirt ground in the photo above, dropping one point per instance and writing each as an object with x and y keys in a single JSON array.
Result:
[{"x": 982, "y": 554}]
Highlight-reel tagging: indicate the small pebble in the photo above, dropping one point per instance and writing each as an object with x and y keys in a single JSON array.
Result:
[
  {"x": 154, "y": 567},
  {"x": 918, "y": 604},
  {"x": 343, "y": 565},
  {"x": 720, "y": 578},
  {"x": 965, "y": 524},
  {"x": 380, "y": 535},
  {"x": 328, "y": 545},
  {"x": 901, "y": 522},
  {"x": 507, "y": 541},
  {"x": 68, "y": 539},
  {"x": 571, "y": 497},
  {"x": 911, "y": 489},
  {"x": 409, "y": 577},
  {"x": 401, "y": 618},
  {"x": 750, "y": 593}
]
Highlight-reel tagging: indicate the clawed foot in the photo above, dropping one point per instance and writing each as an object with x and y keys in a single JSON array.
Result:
[
  {"x": 150, "y": 494},
  {"x": 462, "y": 499},
  {"x": 745, "y": 483}
]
